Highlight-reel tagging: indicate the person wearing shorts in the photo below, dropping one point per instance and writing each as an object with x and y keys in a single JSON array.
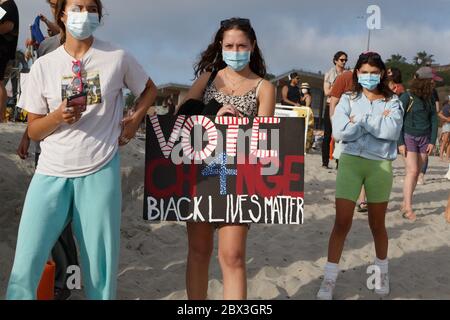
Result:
[
  {"x": 419, "y": 133},
  {"x": 444, "y": 115},
  {"x": 375, "y": 175},
  {"x": 416, "y": 144},
  {"x": 343, "y": 84},
  {"x": 368, "y": 121}
]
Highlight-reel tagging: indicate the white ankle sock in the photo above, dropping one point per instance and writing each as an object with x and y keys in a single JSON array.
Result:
[
  {"x": 382, "y": 264},
  {"x": 331, "y": 271}
]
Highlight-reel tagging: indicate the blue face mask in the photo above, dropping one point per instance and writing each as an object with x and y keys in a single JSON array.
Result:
[
  {"x": 236, "y": 60},
  {"x": 369, "y": 81},
  {"x": 82, "y": 25}
]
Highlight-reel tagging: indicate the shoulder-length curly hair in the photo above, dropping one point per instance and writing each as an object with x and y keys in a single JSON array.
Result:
[{"x": 422, "y": 88}]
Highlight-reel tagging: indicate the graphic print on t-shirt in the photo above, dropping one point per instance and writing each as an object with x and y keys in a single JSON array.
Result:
[{"x": 91, "y": 84}]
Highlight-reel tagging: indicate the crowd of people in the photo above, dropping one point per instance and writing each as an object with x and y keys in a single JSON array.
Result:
[{"x": 75, "y": 117}]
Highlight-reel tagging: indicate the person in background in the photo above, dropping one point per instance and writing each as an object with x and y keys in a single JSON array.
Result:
[
  {"x": 419, "y": 133},
  {"x": 447, "y": 210},
  {"x": 52, "y": 27},
  {"x": 340, "y": 59},
  {"x": 437, "y": 103},
  {"x": 396, "y": 81},
  {"x": 9, "y": 35},
  {"x": 306, "y": 101},
  {"x": 444, "y": 115},
  {"x": 306, "y": 97},
  {"x": 343, "y": 84},
  {"x": 170, "y": 106},
  {"x": 48, "y": 45},
  {"x": 291, "y": 93},
  {"x": 53, "y": 31}
]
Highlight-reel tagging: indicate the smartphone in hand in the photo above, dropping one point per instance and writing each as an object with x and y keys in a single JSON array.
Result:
[{"x": 78, "y": 100}]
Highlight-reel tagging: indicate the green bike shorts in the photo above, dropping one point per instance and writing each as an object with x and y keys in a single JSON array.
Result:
[{"x": 375, "y": 175}]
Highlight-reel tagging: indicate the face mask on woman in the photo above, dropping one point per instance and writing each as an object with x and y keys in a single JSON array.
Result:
[
  {"x": 236, "y": 60},
  {"x": 304, "y": 91},
  {"x": 82, "y": 25},
  {"x": 369, "y": 81}
]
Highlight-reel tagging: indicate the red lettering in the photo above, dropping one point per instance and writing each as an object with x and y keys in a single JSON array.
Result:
[
  {"x": 249, "y": 178},
  {"x": 177, "y": 187}
]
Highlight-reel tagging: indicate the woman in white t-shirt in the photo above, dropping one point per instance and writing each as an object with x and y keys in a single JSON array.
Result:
[{"x": 78, "y": 174}]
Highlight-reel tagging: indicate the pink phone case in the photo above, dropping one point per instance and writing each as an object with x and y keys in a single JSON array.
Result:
[{"x": 80, "y": 102}]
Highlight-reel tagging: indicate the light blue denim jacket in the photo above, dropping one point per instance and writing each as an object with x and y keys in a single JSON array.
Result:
[{"x": 373, "y": 136}]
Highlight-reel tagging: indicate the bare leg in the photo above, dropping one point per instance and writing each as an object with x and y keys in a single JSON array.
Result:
[
  {"x": 413, "y": 167},
  {"x": 447, "y": 154},
  {"x": 362, "y": 195},
  {"x": 3, "y": 99},
  {"x": 444, "y": 142},
  {"x": 402, "y": 209},
  {"x": 447, "y": 210},
  {"x": 201, "y": 244},
  {"x": 342, "y": 225},
  {"x": 362, "y": 201},
  {"x": 232, "y": 248},
  {"x": 377, "y": 215}
]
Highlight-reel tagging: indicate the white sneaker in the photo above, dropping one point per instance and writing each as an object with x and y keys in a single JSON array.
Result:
[
  {"x": 326, "y": 290},
  {"x": 447, "y": 176},
  {"x": 421, "y": 179},
  {"x": 384, "y": 285}
]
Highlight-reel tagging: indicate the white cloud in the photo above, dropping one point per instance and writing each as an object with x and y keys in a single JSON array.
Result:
[
  {"x": 168, "y": 35},
  {"x": 313, "y": 51}
]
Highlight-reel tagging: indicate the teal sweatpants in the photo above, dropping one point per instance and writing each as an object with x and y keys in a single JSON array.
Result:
[{"x": 93, "y": 203}]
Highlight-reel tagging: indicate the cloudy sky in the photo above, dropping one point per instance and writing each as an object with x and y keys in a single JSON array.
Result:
[{"x": 167, "y": 36}]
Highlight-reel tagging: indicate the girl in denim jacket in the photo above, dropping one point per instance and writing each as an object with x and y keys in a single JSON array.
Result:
[{"x": 368, "y": 122}]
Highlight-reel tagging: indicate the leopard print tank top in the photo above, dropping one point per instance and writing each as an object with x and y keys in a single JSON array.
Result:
[{"x": 247, "y": 104}]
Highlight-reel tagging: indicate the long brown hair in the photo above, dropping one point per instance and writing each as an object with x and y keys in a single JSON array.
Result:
[
  {"x": 374, "y": 60},
  {"x": 422, "y": 88},
  {"x": 211, "y": 59},
  {"x": 61, "y": 7}
]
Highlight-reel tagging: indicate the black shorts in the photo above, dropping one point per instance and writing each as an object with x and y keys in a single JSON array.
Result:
[{"x": 4, "y": 64}]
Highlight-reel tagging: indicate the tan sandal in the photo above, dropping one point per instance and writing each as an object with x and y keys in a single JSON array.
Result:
[{"x": 362, "y": 207}]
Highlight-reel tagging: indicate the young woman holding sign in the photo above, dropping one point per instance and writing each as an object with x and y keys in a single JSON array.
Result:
[
  {"x": 78, "y": 174},
  {"x": 369, "y": 122},
  {"x": 231, "y": 71}
]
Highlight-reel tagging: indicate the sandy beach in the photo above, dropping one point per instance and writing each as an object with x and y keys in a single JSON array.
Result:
[{"x": 284, "y": 262}]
